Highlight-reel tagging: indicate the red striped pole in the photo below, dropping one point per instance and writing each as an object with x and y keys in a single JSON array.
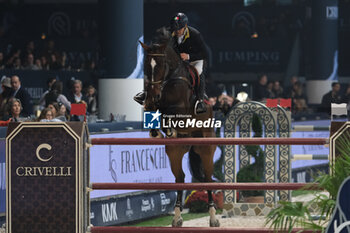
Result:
[
  {"x": 190, "y": 230},
  {"x": 205, "y": 186},
  {"x": 209, "y": 141}
]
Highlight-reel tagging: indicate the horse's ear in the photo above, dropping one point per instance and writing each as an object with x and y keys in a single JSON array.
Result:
[{"x": 144, "y": 46}]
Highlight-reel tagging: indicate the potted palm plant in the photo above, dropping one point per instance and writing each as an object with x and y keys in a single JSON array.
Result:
[{"x": 288, "y": 214}]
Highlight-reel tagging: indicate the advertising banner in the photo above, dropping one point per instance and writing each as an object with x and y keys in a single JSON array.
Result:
[
  {"x": 2, "y": 178},
  {"x": 44, "y": 178},
  {"x": 134, "y": 164},
  {"x": 118, "y": 210}
]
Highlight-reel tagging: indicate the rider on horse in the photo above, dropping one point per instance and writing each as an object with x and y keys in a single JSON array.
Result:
[{"x": 189, "y": 44}]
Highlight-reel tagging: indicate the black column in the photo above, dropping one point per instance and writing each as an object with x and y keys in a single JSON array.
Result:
[
  {"x": 324, "y": 39},
  {"x": 121, "y": 26}
]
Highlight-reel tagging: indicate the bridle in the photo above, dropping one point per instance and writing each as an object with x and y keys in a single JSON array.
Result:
[{"x": 163, "y": 55}]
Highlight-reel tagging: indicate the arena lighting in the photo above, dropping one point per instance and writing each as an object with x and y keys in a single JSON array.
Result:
[
  {"x": 254, "y": 35},
  {"x": 244, "y": 84},
  {"x": 43, "y": 36}
]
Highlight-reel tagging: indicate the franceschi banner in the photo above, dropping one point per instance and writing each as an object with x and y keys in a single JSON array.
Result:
[{"x": 132, "y": 164}]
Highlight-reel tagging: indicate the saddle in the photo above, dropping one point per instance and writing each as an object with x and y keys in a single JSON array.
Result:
[{"x": 194, "y": 75}]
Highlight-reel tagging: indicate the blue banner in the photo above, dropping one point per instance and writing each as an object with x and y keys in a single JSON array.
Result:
[
  {"x": 119, "y": 210},
  {"x": 2, "y": 177}
]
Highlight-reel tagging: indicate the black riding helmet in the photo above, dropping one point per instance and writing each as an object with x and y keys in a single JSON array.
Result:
[{"x": 178, "y": 21}]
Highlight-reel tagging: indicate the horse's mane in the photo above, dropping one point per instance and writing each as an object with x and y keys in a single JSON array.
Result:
[{"x": 162, "y": 36}]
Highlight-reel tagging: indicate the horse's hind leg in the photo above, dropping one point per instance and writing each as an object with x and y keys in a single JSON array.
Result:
[
  {"x": 207, "y": 154},
  {"x": 175, "y": 154}
]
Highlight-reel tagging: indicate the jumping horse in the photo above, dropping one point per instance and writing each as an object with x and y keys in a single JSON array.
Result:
[{"x": 170, "y": 88}]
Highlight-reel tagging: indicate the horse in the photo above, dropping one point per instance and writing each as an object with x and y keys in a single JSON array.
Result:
[{"x": 170, "y": 89}]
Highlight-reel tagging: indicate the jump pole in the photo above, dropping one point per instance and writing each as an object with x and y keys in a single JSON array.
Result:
[
  {"x": 191, "y": 230},
  {"x": 209, "y": 141},
  {"x": 204, "y": 186}
]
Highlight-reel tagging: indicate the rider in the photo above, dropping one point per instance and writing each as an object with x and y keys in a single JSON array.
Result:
[{"x": 189, "y": 44}]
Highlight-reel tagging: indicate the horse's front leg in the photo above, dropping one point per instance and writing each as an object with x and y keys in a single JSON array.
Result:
[
  {"x": 213, "y": 222},
  {"x": 177, "y": 220},
  {"x": 175, "y": 154}
]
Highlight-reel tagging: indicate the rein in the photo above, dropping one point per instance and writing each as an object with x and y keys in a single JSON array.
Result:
[{"x": 178, "y": 78}]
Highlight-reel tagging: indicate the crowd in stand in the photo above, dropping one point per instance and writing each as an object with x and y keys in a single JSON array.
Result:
[
  {"x": 265, "y": 89},
  {"x": 45, "y": 56},
  {"x": 16, "y": 103}
]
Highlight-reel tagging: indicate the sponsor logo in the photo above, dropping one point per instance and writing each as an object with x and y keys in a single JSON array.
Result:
[
  {"x": 191, "y": 123},
  {"x": 154, "y": 120},
  {"x": 109, "y": 212},
  {"x": 129, "y": 212},
  {"x": 332, "y": 12},
  {"x": 44, "y": 171},
  {"x": 151, "y": 120},
  {"x": 147, "y": 205},
  {"x": 59, "y": 24},
  {"x": 164, "y": 202}
]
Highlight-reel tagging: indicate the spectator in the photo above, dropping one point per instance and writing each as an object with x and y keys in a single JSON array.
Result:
[
  {"x": 54, "y": 63},
  {"x": 50, "y": 82},
  {"x": 37, "y": 65},
  {"x": 55, "y": 95},
  {"x": 225, "y": 103},
  {"x": 44, "y": 63},
  {"x": 261, "y": 91},
  {"x": 30, "y": 62},
  {"x": 14, "y": 108},
  {"x": 30, "y": 48},
  {"x": 64, "y": 61},
  {"x": 46, "y": 114},
  {"x": 91, "y": 100},
  {"x": 20, "y": 93},
  {"x": 331, "y": 97},
  {"x": 5, "y": 95},
  {"x": 53, "y": 106},
  {"x": 2, "y": 61},
  {"x": 50, "y": 49},
  {"x": 289, "y": 89},
  {"x": 269, "y": 88},
  {"x": 277, "y": 90},
  {"x": 299, "y": 100},
  {"x": 62, "y": 113},
  {"x": 346, "y": 98},
  {"x": 76, "y": 96},
  {"x": 17, "y": 64},
  {"x": 300, "y": 106}
]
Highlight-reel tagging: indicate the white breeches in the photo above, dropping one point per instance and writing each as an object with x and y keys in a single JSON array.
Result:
[{"x": 198, "y": 65}]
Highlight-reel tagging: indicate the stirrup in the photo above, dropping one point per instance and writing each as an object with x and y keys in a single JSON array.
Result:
[{"x": 198, "y": 109}]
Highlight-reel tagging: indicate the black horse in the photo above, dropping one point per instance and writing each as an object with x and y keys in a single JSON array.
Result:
[{"x": 170, "y": 88}]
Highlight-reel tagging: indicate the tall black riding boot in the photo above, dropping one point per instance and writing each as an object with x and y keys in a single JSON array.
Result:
[
  {"x": 140, "y": 97},
  {"x": 200, "y": 105}
]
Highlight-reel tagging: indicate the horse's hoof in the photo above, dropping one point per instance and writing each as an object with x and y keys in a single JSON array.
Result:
[
  {"x": 215, "y": 223},
  {"x": 155, "y": 134},
  {"x": 172, "y": 134},
  {"x": 177, "y": 223}
]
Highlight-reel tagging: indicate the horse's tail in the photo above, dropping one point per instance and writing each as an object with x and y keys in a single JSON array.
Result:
[{"x": 196, "y": 166}]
